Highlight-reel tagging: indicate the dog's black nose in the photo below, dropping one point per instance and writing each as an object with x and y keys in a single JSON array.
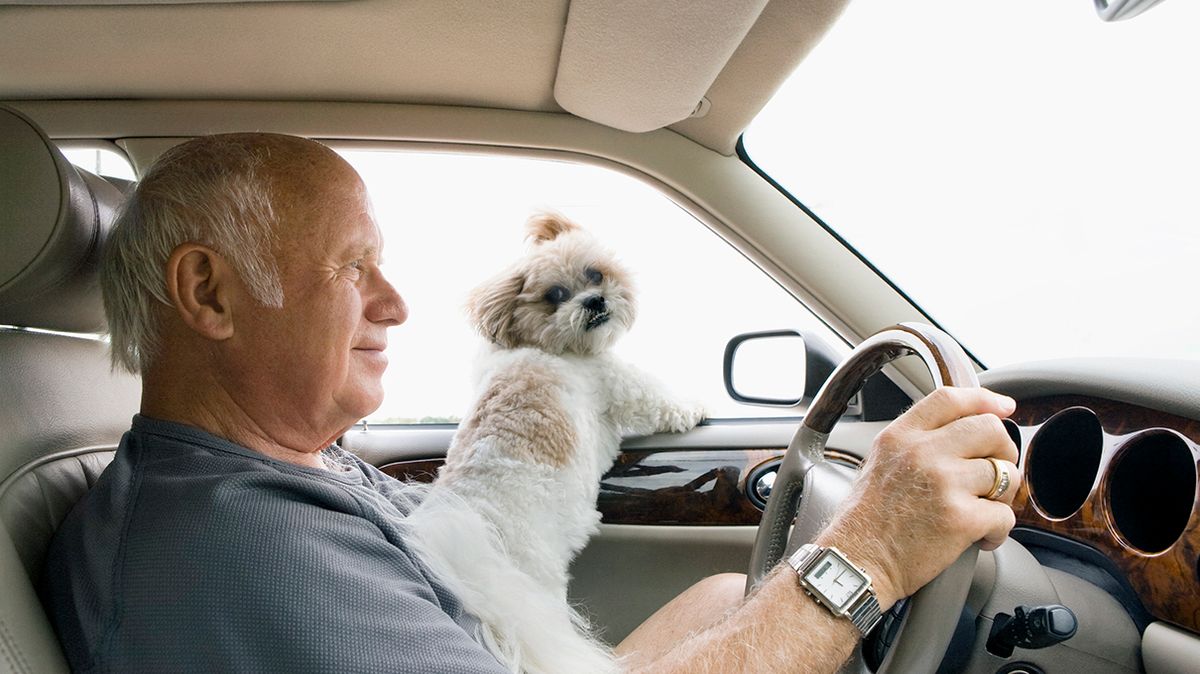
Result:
[{"x": 595, "y": 304}]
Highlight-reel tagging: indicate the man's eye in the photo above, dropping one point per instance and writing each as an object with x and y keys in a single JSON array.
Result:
[
  {"x": 593, "y": 276},
  {"x": 557, "y": 295}
]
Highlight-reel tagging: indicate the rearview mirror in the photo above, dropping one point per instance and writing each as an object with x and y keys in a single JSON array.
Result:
[
  {"x": 1115, "y": 10},
  {"x": 777, "y": 368}
]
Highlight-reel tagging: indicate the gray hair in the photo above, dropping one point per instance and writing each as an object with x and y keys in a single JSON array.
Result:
[{"x": 214, "y": 191}]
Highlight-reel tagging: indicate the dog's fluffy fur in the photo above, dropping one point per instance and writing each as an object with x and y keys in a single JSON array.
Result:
[{"x": 516, "y": 500}]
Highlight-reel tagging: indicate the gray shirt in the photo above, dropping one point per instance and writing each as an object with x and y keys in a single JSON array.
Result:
[{"x": 192, "y": 553}]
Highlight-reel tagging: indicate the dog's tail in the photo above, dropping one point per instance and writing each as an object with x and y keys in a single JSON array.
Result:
[{"x": 529, "y": 629}]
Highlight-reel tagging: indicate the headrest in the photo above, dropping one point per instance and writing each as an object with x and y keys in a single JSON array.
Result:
[{"x": 53, "y": 220}]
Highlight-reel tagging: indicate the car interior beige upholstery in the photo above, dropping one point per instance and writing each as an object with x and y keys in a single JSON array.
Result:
[
  {"x": 62, "y": 409},
  {"x": 480, "y": 55},
  {"x": 612, "y": 65}
]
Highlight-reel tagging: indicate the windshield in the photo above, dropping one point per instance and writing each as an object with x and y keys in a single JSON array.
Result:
[{"x": 1025, "y": 172}]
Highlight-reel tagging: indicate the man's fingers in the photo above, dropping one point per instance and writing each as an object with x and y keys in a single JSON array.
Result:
[
  {"x": 984, "y": 477},
  {"x": 979, "y": 436},
  {"x": 949, "y": 404},
  {"x": 995, "y": 520}
]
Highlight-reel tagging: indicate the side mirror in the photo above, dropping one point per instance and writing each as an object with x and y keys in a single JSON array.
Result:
[{"x": 777, "y": 368}]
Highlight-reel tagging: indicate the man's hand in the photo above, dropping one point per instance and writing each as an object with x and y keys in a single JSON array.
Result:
[{"x": 919, "y": 501}]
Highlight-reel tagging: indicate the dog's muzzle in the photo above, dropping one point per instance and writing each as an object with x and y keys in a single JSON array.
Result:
[{"x": 599, "y": 310}]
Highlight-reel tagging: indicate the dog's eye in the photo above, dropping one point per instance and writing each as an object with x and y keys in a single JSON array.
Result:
[
  {"x": 593, "y": 276},
  {"x": 557, "y": 295}
]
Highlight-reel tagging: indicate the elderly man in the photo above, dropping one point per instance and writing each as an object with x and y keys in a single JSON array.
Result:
[{"x": 230, "y": 532}]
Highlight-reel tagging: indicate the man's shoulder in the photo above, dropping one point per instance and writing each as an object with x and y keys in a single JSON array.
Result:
[
  {"x": 232, "y": 553},
  {"x": 163, "y": 502},
  {"x": 236, "y": 500}
]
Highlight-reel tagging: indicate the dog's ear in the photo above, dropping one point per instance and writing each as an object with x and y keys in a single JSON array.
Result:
[
  {"x": 544, "y": 227},
  {"x": 491, "y": 307}
]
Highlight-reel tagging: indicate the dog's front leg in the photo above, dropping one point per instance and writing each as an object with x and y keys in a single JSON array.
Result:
[{"x": 640, "y": 404}]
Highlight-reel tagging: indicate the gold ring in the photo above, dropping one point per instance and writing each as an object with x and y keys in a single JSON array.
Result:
[{"x": 1001, "y": 482}]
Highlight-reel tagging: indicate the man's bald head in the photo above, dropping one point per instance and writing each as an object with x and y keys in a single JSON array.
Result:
[{"x": 230, "y": 192}]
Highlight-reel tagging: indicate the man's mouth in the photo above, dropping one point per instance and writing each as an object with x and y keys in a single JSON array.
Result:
[
  {"x": 598, "y": 320},
  {"x": 373, "y": 353},
  {"x": 372, "y": 345}
]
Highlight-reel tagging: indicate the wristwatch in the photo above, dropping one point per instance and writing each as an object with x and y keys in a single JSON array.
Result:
[{"x": 837, "y": 584}]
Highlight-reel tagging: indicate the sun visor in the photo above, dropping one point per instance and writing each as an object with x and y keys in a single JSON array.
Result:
[{"x": 639, "y": 66}]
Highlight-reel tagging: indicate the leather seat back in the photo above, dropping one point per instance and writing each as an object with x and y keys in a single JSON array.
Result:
[
  {"x": 62, "y": 408},
  {"x": 33, "y": 502}
]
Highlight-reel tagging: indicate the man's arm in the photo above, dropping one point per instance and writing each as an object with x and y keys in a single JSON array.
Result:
[{"x": 917, "y": 505}]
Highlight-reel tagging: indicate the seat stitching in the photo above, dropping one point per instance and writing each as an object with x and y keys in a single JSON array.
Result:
[
  {"x": 11, "y": 646},
  {"x": 89, "y": 475},
  {"x": 7, "y": 659},
  {"x": 46, "y": 508}
]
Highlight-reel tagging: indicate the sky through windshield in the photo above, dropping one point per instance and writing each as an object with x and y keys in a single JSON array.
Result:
[{"x": 1023, "y": 170}]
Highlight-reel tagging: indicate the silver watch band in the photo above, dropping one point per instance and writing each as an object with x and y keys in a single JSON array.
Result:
[
  {"x": 865, "y": 613},
  {"x": 804, "y": 555}
]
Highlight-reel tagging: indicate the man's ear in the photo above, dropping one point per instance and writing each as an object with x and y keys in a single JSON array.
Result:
[{"x": 200, "y": 285}]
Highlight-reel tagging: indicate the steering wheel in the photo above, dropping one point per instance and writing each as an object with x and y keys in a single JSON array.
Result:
[{"x": 807, "y": 490}]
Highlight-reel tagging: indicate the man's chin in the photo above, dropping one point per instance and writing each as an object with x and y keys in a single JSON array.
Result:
[{"x": 361, "y": 402}]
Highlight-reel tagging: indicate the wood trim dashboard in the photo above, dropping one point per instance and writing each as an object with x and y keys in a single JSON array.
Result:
[
  {"x": 677, "y": 487},
  {"x": 672, "y": 487},
  {"x": 682, "y": 487},
  {"x": 1120, "y": 479}
]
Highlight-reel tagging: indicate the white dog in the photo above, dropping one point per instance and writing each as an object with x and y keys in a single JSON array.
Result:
[{"x": 516, "y": 500}]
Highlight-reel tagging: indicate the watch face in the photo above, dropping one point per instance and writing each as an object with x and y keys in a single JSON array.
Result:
[{"x": 835, "y": 579}]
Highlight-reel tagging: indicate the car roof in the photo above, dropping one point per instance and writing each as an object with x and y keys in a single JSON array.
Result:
[{"x": 634, "y": 66}]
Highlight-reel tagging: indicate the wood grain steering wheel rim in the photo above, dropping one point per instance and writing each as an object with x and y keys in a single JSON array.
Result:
[{"x": 934, "y": 610}]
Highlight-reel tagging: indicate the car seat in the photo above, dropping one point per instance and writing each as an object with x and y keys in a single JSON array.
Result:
[{"x": 62, "y": 408}]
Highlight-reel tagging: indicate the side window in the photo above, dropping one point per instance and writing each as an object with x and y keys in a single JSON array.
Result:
[
  {"x": 451, "y": 221},
  {"x": 98, "y": 160}
]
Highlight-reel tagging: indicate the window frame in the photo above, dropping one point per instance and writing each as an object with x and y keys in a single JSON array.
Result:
[{"x": 96, "y": 144}]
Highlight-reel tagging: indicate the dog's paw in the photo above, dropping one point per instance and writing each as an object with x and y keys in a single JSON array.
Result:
[{"x": 684, "y": 418}]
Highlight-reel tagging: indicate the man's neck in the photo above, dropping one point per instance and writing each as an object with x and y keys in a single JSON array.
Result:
[{"x": 208, "y": 406}]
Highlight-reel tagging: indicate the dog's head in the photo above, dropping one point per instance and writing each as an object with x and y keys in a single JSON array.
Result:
[{"x": 567, "y": 295}]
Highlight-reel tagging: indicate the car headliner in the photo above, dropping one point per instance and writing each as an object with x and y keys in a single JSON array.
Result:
[{"x": 475, "y": 54}]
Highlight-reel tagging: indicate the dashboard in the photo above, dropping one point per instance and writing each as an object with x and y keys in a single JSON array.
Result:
[
  {"x": 1119, "y": 479},
  {"x": 1110, "y": 451}
]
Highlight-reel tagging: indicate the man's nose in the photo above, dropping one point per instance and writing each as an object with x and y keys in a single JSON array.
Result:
[{"x": 386, "y": 306}]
